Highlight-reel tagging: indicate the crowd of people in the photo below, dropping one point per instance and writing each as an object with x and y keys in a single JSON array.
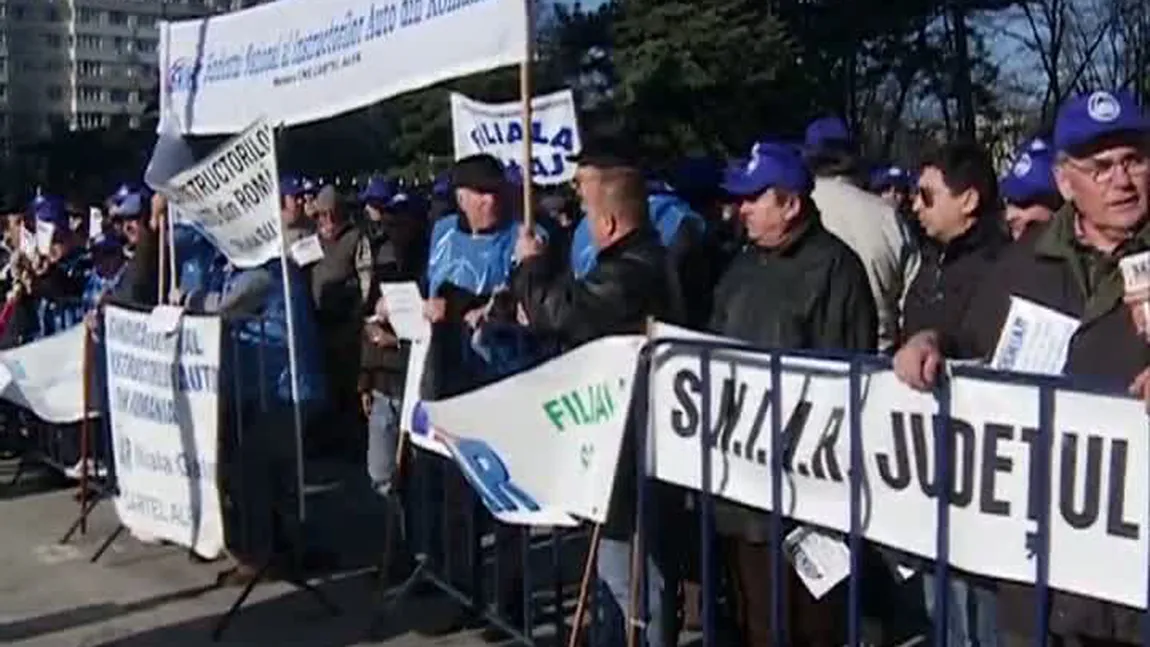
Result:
[{"x": 795, "y": 246}]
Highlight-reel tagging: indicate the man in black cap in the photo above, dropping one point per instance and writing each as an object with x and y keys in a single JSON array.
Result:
[{"x": 630, "y": 282}]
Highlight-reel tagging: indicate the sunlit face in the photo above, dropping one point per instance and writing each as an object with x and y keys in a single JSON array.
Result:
[
  {"x": 1110, "y": 188},
  {"x": 327, "y": 223},
  {"x": 943, "y": 214},
  {"x": 766, "y": 217},
  {"x": 479, "y": 208}
]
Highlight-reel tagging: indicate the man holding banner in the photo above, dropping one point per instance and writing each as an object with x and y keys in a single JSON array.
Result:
[{"x": 630, "y": 283}]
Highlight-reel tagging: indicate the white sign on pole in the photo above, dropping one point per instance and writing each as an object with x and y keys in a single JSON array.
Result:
[
  {"x": 1098, "y": 472},
  {"x": 303, "y": 60},
  {"x": 497, "y": 129},
  {"x": 47, "y": 376},
  {"x": 232, "y": 196},
  {"x": 550, "y": 452},
  {"x": 163, "y": 408}
]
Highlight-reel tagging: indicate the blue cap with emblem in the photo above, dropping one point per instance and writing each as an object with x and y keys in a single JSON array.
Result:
[
  {"x": 1086, "y": 118},
  {"x": 771, "y": 166},
  {"x": 1031, "y": 175}
]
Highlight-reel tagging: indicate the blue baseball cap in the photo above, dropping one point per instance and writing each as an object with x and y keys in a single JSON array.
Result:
[
  {"x": 826, "y": 131},
  {"x": 383, "y": 191},
  {"x": 1087, "y": 118},
  {"x": 1031, "y": 175},
  {"x": 47, "y": 208},
  {"x": 771, "y": 165},
  {"x": 128, "y": 207},
  {"x": 888, "y": 177},
  {"x": 291, "y": 185}
]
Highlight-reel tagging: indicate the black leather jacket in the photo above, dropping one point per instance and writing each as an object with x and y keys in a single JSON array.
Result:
[{"x": 631, "y": 281}]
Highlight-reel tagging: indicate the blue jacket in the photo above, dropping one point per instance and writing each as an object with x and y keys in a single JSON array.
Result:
[
  {"x": 668, "y": 213},
  {"x": 470, "y": 267},
  {"x": 476, "y": 263},
  {"x": 258, "y": 347}
]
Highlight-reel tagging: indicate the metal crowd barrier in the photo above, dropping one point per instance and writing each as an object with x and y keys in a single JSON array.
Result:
[
  {"x": 860, "y": 365},
  {"x": 60, "y": 447},
  {"x": 515, "y": 579}
]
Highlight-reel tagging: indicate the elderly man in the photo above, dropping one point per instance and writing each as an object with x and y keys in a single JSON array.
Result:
[{"x": 1071, "y": 265}]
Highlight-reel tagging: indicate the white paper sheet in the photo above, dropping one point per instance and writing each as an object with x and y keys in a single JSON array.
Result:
[
  {"x": 306, "y": 251},
  {"x": 1034, "y": 339},
  {"x": 821, "y": 560},
  {"x": 405, "y": 310}
]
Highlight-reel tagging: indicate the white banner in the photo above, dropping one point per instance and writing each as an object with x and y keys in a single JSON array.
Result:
[
  {"x": 47, "y": 376},
  {"x": 1098, "y": 475},
  {"x": 550, "y": 451},
  {"x": 233, "y": 197},
  {"x": 296, "y": 61},
  {"x": 163, "y": 408},
  {"x": 497, "y": 129}
]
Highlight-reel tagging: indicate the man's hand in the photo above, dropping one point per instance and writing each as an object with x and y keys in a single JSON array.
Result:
[
  {"x": 917, "y": 363},
  {"x": 366, "y": 400},
  {"x": 1136, "y": 306},
  {"x": 380, "y": 310},
  {"x": 378, "y": 336},
  {"x": 159, "y": 211},
  {"x": 475, "y": 317},
  {"x": 435, "y": 310},
  {"x": 528, "y": 245}
]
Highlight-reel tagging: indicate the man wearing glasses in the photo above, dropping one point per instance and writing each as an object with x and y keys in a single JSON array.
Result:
[{"x": 1071, "y": 265}]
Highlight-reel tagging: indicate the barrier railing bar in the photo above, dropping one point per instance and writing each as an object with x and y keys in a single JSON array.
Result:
[
  {"x": 854, "y": 636},
  {"x": 1042, "y": 576},
  {"x": 707, "y": 503},
  {"x": 779, "y": 628},
  {"x": 942, "y": 482},
  {"x": 557, "y": 588}
]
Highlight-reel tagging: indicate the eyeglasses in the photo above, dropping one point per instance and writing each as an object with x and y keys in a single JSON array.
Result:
[
  {"x": 926, "y": 196},
  {"x": 1102, "y": 171}
]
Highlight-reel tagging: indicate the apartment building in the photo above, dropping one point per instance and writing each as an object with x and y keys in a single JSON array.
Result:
[{"x": 83, "y": 64}]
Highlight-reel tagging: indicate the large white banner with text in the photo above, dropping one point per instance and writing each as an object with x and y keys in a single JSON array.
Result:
[
  {"x": 297, "y": 61},
  {"x": 163, "y": 408},
  {"x": 233, "y": 197},
  {"x": 1098, "y": 468},
  {"x": 47, "y": 376},
  {"x": 497, "y": 129},
  {"x": 541, "y": 447}
]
